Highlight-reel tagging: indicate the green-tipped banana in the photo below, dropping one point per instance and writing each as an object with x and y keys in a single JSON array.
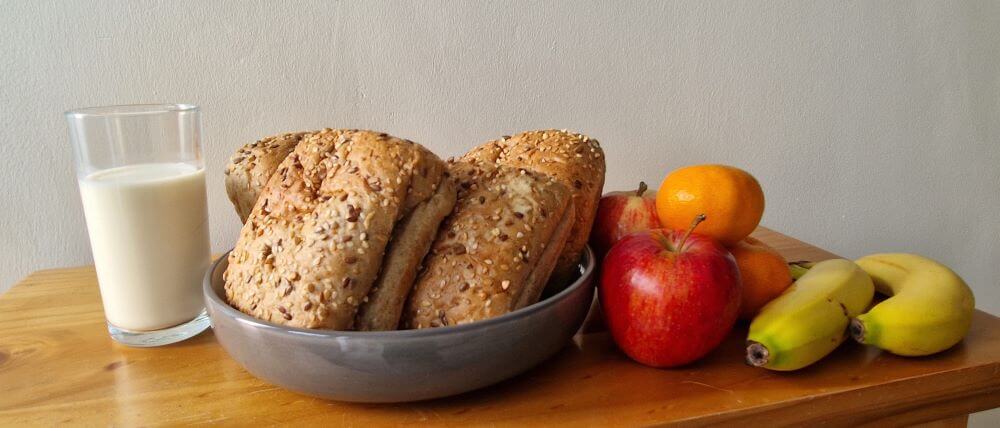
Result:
[
  {"x": 809, "y": 320},
  {"x": 929, "y": 308},
  {"x": 798, "y": 269}
]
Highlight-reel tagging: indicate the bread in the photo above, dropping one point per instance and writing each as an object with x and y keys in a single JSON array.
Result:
[
  {"x": 316, "y": 240},
  {"x": 411, "y": 241},
  {"x": 252, "y": 165},
  {"x": 496, "y": 251},
  {"x": 572, "y": 159}
]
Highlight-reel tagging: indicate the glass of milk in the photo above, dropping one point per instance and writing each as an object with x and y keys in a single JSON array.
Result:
[{"x": 142, "y": 182}]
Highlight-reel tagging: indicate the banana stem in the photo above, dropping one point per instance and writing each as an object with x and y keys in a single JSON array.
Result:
[
  {"x": 857, "y": 329},
  {"x": 757, "y": 354}
]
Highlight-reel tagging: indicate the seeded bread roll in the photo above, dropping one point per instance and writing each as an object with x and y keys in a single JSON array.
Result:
[
  {"x": 496, "y": 251},
  {"x": 411, "y": 241},
  {"x": 316, "y": 240},
  {"x": 575, "y": 160},
  {"x": 252, "y": 165}
]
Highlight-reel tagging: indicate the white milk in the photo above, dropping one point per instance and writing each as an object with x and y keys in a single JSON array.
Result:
[{"x": 148, "y": 228}]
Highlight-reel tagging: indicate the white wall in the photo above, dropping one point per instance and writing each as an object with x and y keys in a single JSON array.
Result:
[{"x": 873, "y": 126}]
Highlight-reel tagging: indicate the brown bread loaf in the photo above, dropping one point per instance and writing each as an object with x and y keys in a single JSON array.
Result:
[
  {"x": 252, "y": 165},
  {"x": 495, "y": 253},
  {"x": 316, "y": 241},
  {"x": 574, "y": 160}
]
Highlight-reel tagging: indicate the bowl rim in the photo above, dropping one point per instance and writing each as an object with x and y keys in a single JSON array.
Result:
[{"x": 589, "y": 263}]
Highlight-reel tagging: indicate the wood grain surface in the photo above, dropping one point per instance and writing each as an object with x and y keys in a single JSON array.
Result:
[{"x": 58, "y": 366}]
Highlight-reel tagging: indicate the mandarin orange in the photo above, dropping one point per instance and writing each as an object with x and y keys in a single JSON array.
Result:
[
  {"x": 764, "y": 274},
  {"x": 730, "y": 198}
]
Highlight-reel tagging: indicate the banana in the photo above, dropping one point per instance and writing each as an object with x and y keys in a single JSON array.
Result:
[
  {"x": 809, "y": 320},
  {"x": 929, "y": 308},
  {"x": 797, "y": 269}
]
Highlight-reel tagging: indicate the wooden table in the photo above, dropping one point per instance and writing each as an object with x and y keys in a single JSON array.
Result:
[{"x": 58, "y": 366}]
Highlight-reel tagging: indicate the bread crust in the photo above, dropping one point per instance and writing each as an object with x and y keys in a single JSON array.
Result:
[
  {"x": 485, "y": 252},
  {"x": 251, "y": 167},
  {"x": 313, "y": 245},
  {"x": 410, "y": 242},
  {"x": 539, "y": 277},
  {"x": 574, "y": 160}
]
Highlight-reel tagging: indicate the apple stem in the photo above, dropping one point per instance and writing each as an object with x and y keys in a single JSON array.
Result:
[
  {"x": 642, "y": 189},
  {"x": 694, "y": 223}
]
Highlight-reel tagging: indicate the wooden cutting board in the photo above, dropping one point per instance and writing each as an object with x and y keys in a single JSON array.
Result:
[{"x": 58, "y": 366}]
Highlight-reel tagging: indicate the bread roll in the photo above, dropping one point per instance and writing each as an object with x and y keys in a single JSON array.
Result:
[
  {"x": 496, "y": 251},
  {"x": 252, "y": 165},
  {"x": 411, "y": 241},
  {"x": 316, "y": 240},
  {"x": 574, "y": 160}
]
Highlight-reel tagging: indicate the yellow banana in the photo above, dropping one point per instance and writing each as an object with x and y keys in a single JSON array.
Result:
[
  {"x": 929, "y": 308},
  {"x": 809, "y": 320}
]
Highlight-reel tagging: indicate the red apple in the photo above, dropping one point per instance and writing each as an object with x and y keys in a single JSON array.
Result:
[
  {"x": 620, "y": 214},
  {"x": 669, "y": 296}
]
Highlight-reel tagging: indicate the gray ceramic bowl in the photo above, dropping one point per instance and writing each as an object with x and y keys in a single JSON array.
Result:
[{"x": 404, "y": 365}]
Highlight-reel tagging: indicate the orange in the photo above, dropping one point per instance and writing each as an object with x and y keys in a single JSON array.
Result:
[
  {"x": 764, "y": 274},
  {"x": 730, "y": 198}
]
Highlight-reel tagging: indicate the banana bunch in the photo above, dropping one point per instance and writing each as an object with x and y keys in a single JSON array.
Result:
[
  {"x": 810, "y": 319},
  {"x": 929, "y": 308}
]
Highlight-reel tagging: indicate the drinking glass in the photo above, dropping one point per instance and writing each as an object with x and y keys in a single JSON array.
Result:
[{"x": 142, "y": 182}]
